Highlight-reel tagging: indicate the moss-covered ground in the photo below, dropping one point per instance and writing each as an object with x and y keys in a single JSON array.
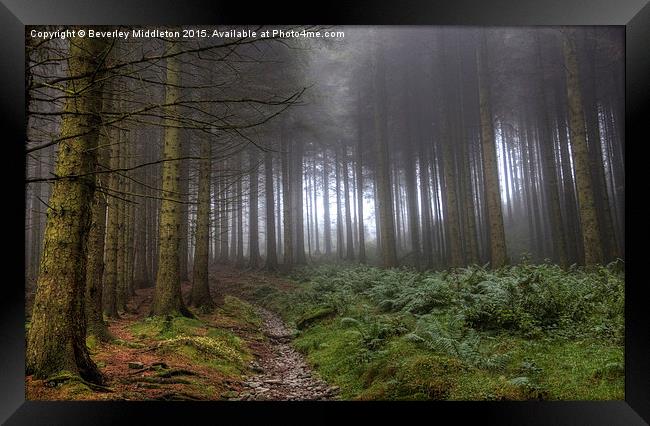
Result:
[
  {"x": 165, "y": 358},
  {"x": 519, "y": 333}
]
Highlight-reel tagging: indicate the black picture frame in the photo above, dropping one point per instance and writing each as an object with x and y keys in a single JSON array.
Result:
[{"x": 15, "y": 14}]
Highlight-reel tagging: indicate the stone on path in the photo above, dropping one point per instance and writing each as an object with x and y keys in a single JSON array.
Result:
[{"x": 283, "y": 368}]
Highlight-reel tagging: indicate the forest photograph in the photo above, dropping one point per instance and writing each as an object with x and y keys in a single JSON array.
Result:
[{"x": 243, "y": 213}]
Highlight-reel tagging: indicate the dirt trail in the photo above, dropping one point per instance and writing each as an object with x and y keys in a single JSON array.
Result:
[
  {"x": 135, "y": 370},
  {"x": 283, "y": 372}
]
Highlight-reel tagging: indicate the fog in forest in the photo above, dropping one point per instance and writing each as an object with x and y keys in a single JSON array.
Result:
[{"x": 422, "y": 147}]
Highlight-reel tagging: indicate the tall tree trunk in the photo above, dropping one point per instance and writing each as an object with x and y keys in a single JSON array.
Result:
[
  {"x": 425, "y": 200},
  {"x": 109, "y": 296},
  {"x": 233, "y": 215},
  {"x": 359, "y": 177},
  {"x": 167, "y": 298},
  {"x": 271, "y": 255},
  {"x": 200, "y": 286},
  {"x": 184, "y": 189},
  {"x": 130, "y": 223},
  {"x": 278, "y": 214},
  {"x": 595, "y": 152},
  {"x": 297, "y": 185},
  {"x": 56, "y": 340},
  {"x": 223, "y": 232},
  {"x": 308, "y": 211},
  {"x": 286, "y": 203},
  {"x": 253, "y": 234},
  {"x": 339, "y": 212},
  {"x": 122, "y": 294},
  {"x": 397, "y": 209},
  {"x": 547, "y": 147},
  {"x": 349, "y": 252},
  {"x": 315, "y": 207},
  {"x": 96, "y": 326},
  {"x": 327, "y": 222},
  {"x": 141, "y": 263},
  {"x": 491, "y": 174},
  {"x": 410, "y": 178},
  {"x": 384, "y": 192},
  {"x": 593, "y": 252},
  {"x": 239, "y": 262}
]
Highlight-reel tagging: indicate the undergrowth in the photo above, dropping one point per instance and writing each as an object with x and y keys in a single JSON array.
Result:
[
  {"x": 200, "y": 342},
  {"x": 519, "y": 332}
]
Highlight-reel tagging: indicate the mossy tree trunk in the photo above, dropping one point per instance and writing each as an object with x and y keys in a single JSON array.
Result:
[
  {"x": 592, "y": 244},
  {"x": 200, "y": 286},
  {"x": 167, "y": 298},
  {"x": 56, "y": 341}
]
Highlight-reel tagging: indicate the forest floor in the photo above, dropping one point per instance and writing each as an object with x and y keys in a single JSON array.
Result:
[
  {"x": 354, "y": 332},
  {"x": 240, "y": 351}
]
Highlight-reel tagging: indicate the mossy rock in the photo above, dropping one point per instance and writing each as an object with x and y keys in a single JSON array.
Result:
[
  {"x": 422, "y": 377},
  {"x": 314, "y": 315}
]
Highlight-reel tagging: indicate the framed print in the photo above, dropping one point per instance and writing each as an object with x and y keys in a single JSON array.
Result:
[{"x": 233, "y": 211}]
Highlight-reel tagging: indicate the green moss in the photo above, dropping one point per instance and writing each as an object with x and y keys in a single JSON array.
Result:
[
  {"x": 72, "y": 386},
  {"x": 92, "y": 343},
  {"x": 583, "y": 369},
  {"x": 524, "y": 332},
  {"x": 240, "y": 310},
  {"x": 317, "y": 314},
  {"x": 161, "y": 328},
  {"x": 201, "y": 343},
  {"x": 213, "y": 354}
]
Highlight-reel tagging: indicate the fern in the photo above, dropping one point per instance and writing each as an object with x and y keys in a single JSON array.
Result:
[{"x": 450, "y": 337}]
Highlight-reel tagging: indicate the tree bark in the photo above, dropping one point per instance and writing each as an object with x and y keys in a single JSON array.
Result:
[
  {"x": 327, "y": 222},
  {"x": 56, "y": 340},
  {"x": 96, "y": 326},
  {"x": 271, "y": 255},
  {"x": 593, "y": 253},
  {"x": 384, "y": 191},
  {"x": 286, "y": 203},
  {"x": 498, "y": 253},
  {"x": 253, "y": 233},
  {"x": 200, "y": 285},
  {"x": 167, "y": 298}
]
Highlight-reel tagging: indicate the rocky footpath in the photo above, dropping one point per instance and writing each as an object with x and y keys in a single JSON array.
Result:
[{"x": 282, "y": 372}]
